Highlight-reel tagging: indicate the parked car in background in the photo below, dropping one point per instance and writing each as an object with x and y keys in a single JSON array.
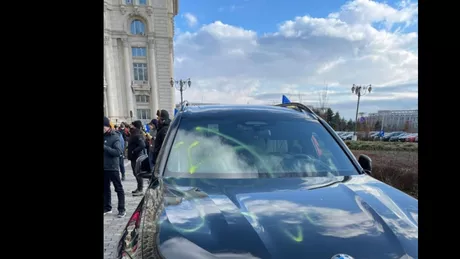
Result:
[
  {"x": 411, "y": 137},
  {"x": 407, "y": 137},
  {"x": 387, "y": 136},
  {"x": 373, "y": 135},
  {"x": 348, "y": 136},
  {"x": 398, "y": 137},
  {"x": 377, "y": 137}
]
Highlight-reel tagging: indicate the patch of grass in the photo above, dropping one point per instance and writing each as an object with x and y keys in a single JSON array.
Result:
[
  {"x": 382, "y": 146},
  {"x": 396, "y": 168}
]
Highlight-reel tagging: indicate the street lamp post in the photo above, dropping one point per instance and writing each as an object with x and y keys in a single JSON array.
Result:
[
  {"x": 359, "y": 91},
  {"x": 181, "y": 85}
]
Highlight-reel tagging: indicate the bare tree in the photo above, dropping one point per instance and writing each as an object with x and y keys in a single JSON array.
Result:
[{"x": 323, "y": 99}]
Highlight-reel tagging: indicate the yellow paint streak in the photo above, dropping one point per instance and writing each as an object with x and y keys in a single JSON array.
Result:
[
  {"x": 180, "y": 143},
  {"x": 309, "y": 219},
  {"x": 192, "y": 169},
  {"x": 298, "y": 238}
]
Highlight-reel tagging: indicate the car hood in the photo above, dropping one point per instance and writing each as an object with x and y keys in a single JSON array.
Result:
[{"x": 286, "y": 217}]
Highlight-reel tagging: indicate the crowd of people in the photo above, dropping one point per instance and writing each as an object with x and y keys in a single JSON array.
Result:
[{"x": 130, "y": 141}]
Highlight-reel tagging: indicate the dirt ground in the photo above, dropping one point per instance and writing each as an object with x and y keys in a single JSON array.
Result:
[
  {"x": 396, "y": 168},
  {"x": 404, "y": 159}
]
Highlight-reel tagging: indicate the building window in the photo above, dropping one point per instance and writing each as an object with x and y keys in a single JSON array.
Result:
[
  {"x": 142, "y": 2},
  {"x": 129, "y": 1},
  {"x": 140, "y": 72},
  {"x": 142, "y": 98},
  {"x": 143, "y": 114},
  {"x": 137, "y": 27},
  {"x": 138, "y": 52}
]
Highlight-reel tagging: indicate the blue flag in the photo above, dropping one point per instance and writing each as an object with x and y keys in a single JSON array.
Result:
[{"x": 285, "y": 99}]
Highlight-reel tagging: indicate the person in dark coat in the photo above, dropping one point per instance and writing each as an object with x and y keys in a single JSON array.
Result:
[
  {"x": 112, "y": 153},
  {"x": 163, "y": 126},
  {"x": 153, "y": 125},
  {"x": 136, "y": 146}
]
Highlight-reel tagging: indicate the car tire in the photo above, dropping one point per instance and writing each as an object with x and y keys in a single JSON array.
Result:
[{"x": 154, "y": 206}]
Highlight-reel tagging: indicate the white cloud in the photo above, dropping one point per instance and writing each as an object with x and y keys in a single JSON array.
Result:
[
  {"x": 230, "y": 64},
  {"x": 191, "y": 19},
  {"x": 366, "y": 11}
]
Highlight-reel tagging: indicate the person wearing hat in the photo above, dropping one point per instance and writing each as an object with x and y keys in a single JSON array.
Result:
[
  {"x": 163, "y": 126},
  {"x": 136, "y": 146},
  {"x": 137, "y": 124},
  {"x": 112, "y": 153}
]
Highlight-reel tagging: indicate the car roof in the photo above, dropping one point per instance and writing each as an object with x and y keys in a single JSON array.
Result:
[{"x": 222, "y": 111}]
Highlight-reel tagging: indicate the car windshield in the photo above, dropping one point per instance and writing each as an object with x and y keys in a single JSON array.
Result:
[{"x": 255, "y": 148}]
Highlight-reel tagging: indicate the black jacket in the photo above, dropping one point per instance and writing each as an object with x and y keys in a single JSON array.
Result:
[
  {"x": 112, "y": 151},
  {"x": 136, "y": 145},
  {"x": 161, "y": 134}
]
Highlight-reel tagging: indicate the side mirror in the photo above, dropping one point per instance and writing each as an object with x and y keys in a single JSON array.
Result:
[{"x": 366, "y": 163}]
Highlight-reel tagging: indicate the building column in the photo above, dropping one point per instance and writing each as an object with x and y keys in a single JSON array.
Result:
[
  {"x": 171, "y": 69},
  {"x": 128, "y": 79},
  {"x": 106, "y": 111},
  {"x": 118, "y": 84},
  {"x": 111, "y": 91},
  {"x": 153, "y": 77}
]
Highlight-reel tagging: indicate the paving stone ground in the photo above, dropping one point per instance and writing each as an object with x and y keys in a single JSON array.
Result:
[{"x": 113, "y": 226}]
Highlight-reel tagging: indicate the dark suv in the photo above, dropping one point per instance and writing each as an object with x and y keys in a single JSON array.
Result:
[{"x": 266, "y": 182}]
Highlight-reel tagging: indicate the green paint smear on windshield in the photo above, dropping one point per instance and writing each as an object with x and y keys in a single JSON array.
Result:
[{"x": 193, "y": 168}]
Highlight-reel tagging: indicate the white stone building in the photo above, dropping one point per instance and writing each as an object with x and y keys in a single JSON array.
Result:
[
  {"x": 395, "y": 119},
  {"x": 138, "y": 58}
]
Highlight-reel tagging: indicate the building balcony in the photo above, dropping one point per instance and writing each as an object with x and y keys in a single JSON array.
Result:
[{"x": 140, "y": 85}]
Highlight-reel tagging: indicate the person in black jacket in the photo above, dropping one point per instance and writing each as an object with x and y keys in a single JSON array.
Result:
[
  {"x": 112, "y": 153},
  {"x": 136, "y": 146},
  {"x": 163, "y": 126},
  {"x": 153, "y": 125}
]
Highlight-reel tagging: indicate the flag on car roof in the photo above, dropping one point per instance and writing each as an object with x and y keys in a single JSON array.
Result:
[{"x": 285, "y": 99}]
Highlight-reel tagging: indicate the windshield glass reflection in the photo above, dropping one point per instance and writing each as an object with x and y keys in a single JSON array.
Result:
[{"x": 256, "y": 149}]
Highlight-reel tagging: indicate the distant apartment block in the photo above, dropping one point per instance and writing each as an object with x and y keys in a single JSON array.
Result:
[{"x": 395, "y": 119}]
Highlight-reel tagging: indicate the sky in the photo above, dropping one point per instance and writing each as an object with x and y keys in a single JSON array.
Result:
[{"x": 254, "y": 51}]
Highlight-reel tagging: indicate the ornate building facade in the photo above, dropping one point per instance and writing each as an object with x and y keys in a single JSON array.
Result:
[{"x": 138, "y": 58}]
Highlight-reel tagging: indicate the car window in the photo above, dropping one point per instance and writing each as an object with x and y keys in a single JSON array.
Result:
[{"x": 253, "y": 148}]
